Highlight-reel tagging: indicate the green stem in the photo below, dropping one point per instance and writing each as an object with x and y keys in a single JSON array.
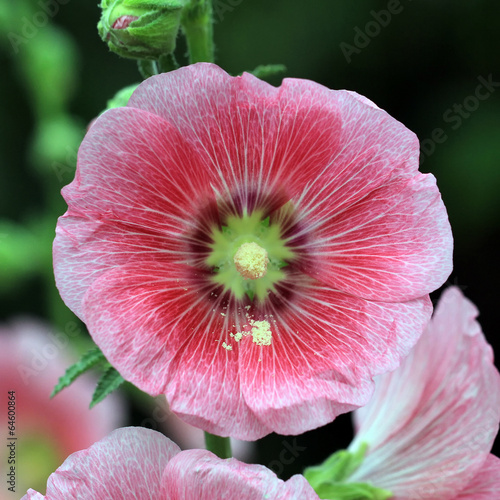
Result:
[
  {"x": 147, "y": 68},
  {"x": 167, "y": 63},
  {"x": 197, "y": 23},
  {"x": 219, "y": 445}
]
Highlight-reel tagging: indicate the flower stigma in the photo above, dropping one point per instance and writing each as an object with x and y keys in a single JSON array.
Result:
[
  {"x": 247, "y": 254},
  {"x": 251, "y": 261}
]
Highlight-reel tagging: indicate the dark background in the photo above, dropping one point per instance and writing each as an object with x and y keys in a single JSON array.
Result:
[{"x": 422, "y": 67}]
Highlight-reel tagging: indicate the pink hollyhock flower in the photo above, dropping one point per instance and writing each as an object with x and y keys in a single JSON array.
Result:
[
  {"x": 32, "y": 358},
  {"x": 431, "y": 423},
  {"x": 139, "y": 463},
  {"x": 256, "y": 254}
]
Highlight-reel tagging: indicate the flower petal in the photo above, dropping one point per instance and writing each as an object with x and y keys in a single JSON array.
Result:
[
  {"x": 486, "y": 483},
  {"x": 292, "y": 135},
  {"x": 127, "y": 463},
  {"x": 432, "y": 422},
  {"x": 200, "y": 475},
  {"x": 154, "y": 326},
  {"x": 394, "y": 244},
  {"x": 256, "y": 137},
  {"x": 33, "y": 495},
  {"x": 140, "y": 209},
  {"x": 325, "y": 349},
  {"x": 350, "y": 169}
]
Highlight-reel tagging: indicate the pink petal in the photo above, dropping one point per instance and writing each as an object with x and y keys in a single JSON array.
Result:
[
  {"x": 200, "y": 475},
  {"x": 33, "y": 495},
  {"x": 337, "y": 156},
  {"x": 124, "y": 22},
  {"x": 486, "y": 483},
  {"x": 140, "y": 210},
  {"x": 128, "y": 463},
  {"x": 432, "y": 422},
  {"x": 152, "y": 325},
  {"x": 362, "y": 98},
  {"x": 325, "y": 350},
  {"x": 251, "y": 137},
  {"x": 383, "y": 246}
]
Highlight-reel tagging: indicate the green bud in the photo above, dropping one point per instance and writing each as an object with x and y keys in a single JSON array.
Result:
[{"x": 140, "y": 29}]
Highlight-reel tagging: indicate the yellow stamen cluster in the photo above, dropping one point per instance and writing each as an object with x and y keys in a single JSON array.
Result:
[{"x": 251, "y": 261}]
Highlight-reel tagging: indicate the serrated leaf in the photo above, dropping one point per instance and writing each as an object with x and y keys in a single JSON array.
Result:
[
  {"x": 86, "y": 362},
  {"x": 109, "y": 381}
]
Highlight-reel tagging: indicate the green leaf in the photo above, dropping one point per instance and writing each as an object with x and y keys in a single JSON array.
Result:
[
  {"x": 109, "y": 382},
  {"x": 268, "y": 70},
  {"x": 330, "y": 480},
  {"x": 336, "y": 468},
  {"x": 353, "y": 491},
  {"x": 87, "y": 361}
]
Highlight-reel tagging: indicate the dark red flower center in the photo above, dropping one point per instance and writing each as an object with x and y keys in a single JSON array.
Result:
[{"x": 218, "y": 218}]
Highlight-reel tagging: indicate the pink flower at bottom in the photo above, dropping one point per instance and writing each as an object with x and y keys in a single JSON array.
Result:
[
  {"x": 431, "y": 423},
  {"x": 139, "y": 463},
  {"x": 256, "y": 254},
  {"x": 32, "y": 358}
]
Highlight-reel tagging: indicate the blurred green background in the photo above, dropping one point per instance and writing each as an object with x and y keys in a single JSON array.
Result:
[{"x": 432, "y": 65}]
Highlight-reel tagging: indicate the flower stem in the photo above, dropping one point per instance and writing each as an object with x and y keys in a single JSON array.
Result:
[
  {"x": 147, "y": 68},
  {"x": 219, "y": 445},
  {"x": 197, "y": 23}
]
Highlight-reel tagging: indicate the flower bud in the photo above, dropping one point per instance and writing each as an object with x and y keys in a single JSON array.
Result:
[{"x": 140, "y": 29}]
